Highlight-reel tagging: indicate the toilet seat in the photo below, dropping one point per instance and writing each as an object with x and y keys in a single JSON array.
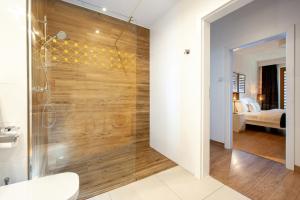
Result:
[{"x": 63, "y": 186}]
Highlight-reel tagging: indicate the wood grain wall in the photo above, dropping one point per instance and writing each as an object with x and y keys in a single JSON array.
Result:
[{"x": 100, "y": 95}]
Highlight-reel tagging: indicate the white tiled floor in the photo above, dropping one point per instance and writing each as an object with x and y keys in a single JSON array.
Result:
[{"x": 173, "y": 184}]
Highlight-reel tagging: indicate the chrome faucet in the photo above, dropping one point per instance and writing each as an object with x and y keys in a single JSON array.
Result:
[
  {"x": 8, "y": 129},
  {"x": 6, "y": 180}
]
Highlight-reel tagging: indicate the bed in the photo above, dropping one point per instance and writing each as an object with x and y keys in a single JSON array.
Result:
[
  {"x": 253, "y": 115},
  {"x": 268, "y": 118}
]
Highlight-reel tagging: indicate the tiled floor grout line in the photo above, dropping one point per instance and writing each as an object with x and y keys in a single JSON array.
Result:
[
  {"x": 180, "y": 197},
  {"x": 177, "y": 195},
  {"x": 109, "y": 196},
  {"x": 213, "y": 192},
  {"x": 173, "y": 191}
]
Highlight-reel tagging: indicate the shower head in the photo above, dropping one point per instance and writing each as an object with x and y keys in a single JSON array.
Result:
[{"x": 61, "y": 35}]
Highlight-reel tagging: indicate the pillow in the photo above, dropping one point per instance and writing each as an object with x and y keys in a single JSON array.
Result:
[
  {"x": 258, "y": 108},
  {"x": 254, "y": 107},
  {"x": 241, "y": 107}
]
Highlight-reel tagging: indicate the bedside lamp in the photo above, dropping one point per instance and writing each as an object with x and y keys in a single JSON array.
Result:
[
  {"x": 235, "y": 98},
  {"x": 260, "y": 98}
]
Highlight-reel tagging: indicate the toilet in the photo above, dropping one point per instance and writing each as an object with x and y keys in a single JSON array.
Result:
[{"x": 63, "y": 186}]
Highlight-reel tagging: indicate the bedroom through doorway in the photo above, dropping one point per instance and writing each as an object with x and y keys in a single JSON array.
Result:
[{"x": 259, "y": 98}]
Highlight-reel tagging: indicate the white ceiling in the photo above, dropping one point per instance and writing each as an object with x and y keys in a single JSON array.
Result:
[
  {"x": 267, "y": 51},
  {"x": 144, "y": 12}
]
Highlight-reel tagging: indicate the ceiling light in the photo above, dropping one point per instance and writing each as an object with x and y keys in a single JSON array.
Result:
[
  {"x": 104, "y": 9},
  {"x": 97, "y": 31}
]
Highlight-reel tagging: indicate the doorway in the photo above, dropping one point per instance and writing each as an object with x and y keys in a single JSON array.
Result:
[
  {"x": 259, "y": 90},
  {"x": 226, "y": 125}
]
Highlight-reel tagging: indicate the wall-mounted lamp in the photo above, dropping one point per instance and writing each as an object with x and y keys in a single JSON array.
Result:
[
  {"x": 260, "y": 98},
  {"x": 235, "y": 98}
]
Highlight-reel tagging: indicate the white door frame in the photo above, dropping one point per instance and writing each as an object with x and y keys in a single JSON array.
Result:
[
  {"x": 290, "y": 110},
  {"x": 205, "y": 105}
]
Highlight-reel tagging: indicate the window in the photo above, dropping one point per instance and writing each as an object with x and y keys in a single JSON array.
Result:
[
  {"x": 235, "y": 82},
  {"x": 283, "y": 88},
  {"x": 238, "y": 83},
  {"x": 242, "y": 83}
]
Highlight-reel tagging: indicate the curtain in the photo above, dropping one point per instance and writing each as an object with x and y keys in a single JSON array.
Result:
[
  {"x": 259, "y": 80},
  {"x": 270, "y": 87}
]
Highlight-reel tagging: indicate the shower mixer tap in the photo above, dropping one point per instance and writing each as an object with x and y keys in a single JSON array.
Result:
[
  {"x": 9, "y": 136},
  {"x": 8, "y": 129}
]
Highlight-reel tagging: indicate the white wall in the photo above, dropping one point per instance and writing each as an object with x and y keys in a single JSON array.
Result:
[
  {"x": 13, "y": 86},
  {"x": 256, "y": 21},
  {"x": 175, "y": 82},
  {"x": 246, "y": 65},
  {"x": 279, "y": 61},
  {"x": 249, "y": 65}
]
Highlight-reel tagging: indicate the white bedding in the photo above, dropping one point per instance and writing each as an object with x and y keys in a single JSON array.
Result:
[{"x": 265, "y": 116}]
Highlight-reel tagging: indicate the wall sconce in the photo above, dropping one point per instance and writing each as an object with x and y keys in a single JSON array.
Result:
[
  {"x": 235, "y": 98},
  {"x": 260, "y": 98}
]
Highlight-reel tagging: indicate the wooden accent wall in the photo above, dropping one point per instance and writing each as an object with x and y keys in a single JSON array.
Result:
[{"x": 100, "y": 95}]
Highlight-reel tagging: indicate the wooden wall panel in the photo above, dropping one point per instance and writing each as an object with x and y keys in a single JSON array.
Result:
[
  {"x": 97, "y": 100},
  {"x": 142, "y": 80},
  {"x": 100, "y": 92}
]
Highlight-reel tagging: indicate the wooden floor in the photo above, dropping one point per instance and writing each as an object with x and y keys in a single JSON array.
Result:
[
  {"x": 268, "y": 144},
  {"x": 254, "y": 176},
  {"x": 146, "y": 162}
]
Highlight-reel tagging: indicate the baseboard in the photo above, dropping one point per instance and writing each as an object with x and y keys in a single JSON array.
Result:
[
  {"x": 217, "y": 143},
  {"x": 297, "y": 169}
]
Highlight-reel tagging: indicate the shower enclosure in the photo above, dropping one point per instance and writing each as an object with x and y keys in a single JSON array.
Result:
[{"x": 89, "y": 85}]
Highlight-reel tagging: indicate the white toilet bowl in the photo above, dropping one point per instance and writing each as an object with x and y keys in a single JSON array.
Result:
[{"x": 63, "y": 186}]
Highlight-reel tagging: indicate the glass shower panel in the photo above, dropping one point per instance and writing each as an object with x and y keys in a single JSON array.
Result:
[
  {"x": 38, "y": 134},
  {"x": 84, "y": 97}
]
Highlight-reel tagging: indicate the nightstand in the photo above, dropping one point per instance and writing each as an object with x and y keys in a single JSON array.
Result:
[{"x": 238, "y": 122}]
